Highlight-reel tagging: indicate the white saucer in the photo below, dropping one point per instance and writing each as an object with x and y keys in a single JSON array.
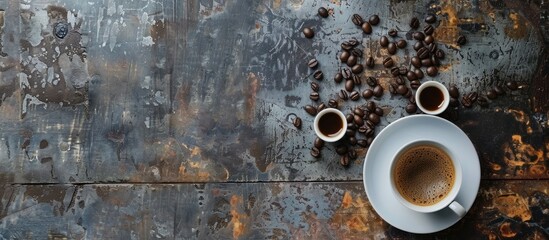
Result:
[{"x": 377, "y": 164}]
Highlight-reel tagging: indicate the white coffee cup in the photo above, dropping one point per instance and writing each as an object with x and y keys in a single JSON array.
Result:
[
  {"x": 429, "y": 100},
  {"x": 448, "y": 201},
  {"x": 330, "y": 125}
]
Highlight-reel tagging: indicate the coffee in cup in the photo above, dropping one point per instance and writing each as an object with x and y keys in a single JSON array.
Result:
[
  {"x": 432, "y": 97},
  {"x": 330, "y": 125}
]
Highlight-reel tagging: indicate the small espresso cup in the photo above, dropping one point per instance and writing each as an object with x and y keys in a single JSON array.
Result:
[
  {"x": 426, "y": 177},
  {"x": 330, "y": 125},
  {"x": 432, "y": 97}
]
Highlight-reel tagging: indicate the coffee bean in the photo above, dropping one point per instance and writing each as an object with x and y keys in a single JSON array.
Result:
[
  {"x": 366, "y": 27},
  {"x": 351, "y": 61},
  {"x": 357, "y": 19},
  {"x": 432, "y": 47},
  {"x": 368, "y": 93},
  {"x": 341, "y": 149},
  {"x": 319, "y": 143},
  {"x": 435, "y": 61},
  {"x": 423, "y": 53},
  {"x": 357, "y": 52},
  {"x": 370, "y": 62},
  {"x": 408, "y": 94},
  {"x": 323, "y": 12},
  {"x": 338, "y": 77},
  {"x": 388, "y": 62},
  {"x": 482, "y": 101},
  {"x": 321, "y": 107},
  {"x": 356, "y": 69},
  {"x": 384, "y": 41},
  {"x": 347, "y": 73},
  {"x": 411, "y": 108},
  {"x": 428, "y": 30},
  {"x": 400, "y": 80},
  {"x": 391, "y": 48},
  {"x": 315, "y": 87},
  {"x": 461, "y": 40},
  {"x": 343, "y": 95},
  {"x": 358, "y": 112},
  {"x": 418, "y": 36},
  {"x": 401, "y": 43},
  {"x": 371, "y": 106},
  {"x": 393, "y": 32},
  {"x": 426, "y": 62},
  {"x": 370, "y": 125},
  {"x": 371, "y": 81},
  {"x": 453, "y": 102},
  {"x": 415, "y": 84},
  {"x": 297, "y": 122},
  {"x": 416, "y": 62},
  {"x": 358, "y": 120},
  {"x": 363, "y": 129},
  {"x": 473, "y": 96},
  {"x": 310, "y": 110},
  {"x": 411, "y": 75},
  {"x": 378, "y": 91},
  {"x": 429, "y": 39},
  {"x": 393, "y": 88},
  {"x": 466, "y": 102},
  {"x": 332, "y": 103},
  {"x": 418, "y": 45},
  {"x": 362, "y": 143},
  {"x": 491, "y": 94},
  {"x": 344, "y": 56},
  {"x": 356, "y": 80},
  {"x": 512, "y": 85},
  {"x": 419, "y": 73},
  {"x": 347, "y": 46},
  {"x": 314, "y": 96},
  {"x": 432, "y": 71},
  {"x": 352, "y": 141},
  {"x": 353, "y": 42},
  {"x": 350, "y": 118},
  {"x": 309, "y": 33},
  {"x": 355, "y": 96},
  {"x": 412, "y": 99},
  {"x": 318, "y": 75},
  {"x": 402, "y": 90},
  {"x": 374, "y": 118},
  {"x": 349, "y": 85},
  {"x": 352, "y": 153},
  {"x": 430, "y": 18},
  {"x": 313, "y": 63},
  {"x": 440, "y": 54},
  {"x": 374, "y": 20},
  {"x": 379, "y": 111},
  {"x": 344, "y": 161},
  {"x": 394, "y": 71},
  {"x": 499, "y": 90},
  {"x": 402, "y": 70},
  {"x": 454, "y": 91},
  {"x": 315, "y": 152},
  {"x": 414, "y": 23}
]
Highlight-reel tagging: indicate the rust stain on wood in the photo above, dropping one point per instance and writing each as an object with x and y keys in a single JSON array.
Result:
[
  {"x": 518, "y": 27},
  {"x": 447, "y": 32},
  {"x": 513, "y": 205},
  {"x": 237, "y": 218},
  {"x": 520, "y": 157}
]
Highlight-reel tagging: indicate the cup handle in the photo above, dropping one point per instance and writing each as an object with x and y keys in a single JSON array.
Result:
[{"x": 457, "y": 208}]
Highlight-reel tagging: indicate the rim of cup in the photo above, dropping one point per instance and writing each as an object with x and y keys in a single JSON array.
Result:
[
  {"x": 450, "y": 197},
  {"x": 328, "y": 138},
  {"x": 445, "y": 93}
]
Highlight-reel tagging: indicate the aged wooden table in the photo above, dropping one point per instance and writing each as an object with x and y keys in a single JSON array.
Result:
[{"x": 171, "y": 119}]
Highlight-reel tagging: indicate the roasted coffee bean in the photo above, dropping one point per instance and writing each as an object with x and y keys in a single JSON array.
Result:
[
  {"x": 358, "y": 121},
  {"x": 357, "y": 19},
  {"x": 378, "y": 91},
  {"x": 313, "y": 63},
  {"x": 473, "y": 96},
  {"x": 402, "y": 89},
  {"x": 408, "y": 94},
  {"x": 499, "y": 90},
  {"x": 297, "y": 122},
  {"x": 353, "y": 41},
  {"x": 352, "y": 153},
  {"x": 416, "y": 62},
  {"x": 466, "y": 102},
  {"x": 370, "y": 140},
  {"x": 352, "y": 141},
  {"x": 371, "y": 106},
  {"x": 351, "y": 124},
  {"x": 350, "y": 118},
  {"x": 454, "y": 91},
  {"x": 369, "y": 124},
  {"x": 512, "y": 85},
  {"x": 393, "y": 32},
  {"x": 321, "y": 107},
  {"x": 461, "y": 40},
  {"x": 308, "y": 32},
  {"x": 362, "y": 143},
  {"x": 374, "y": 20},
  {"x": 414, "y": 23},
  {"x": 355, "y": 96},
  {"x": 349, "y": 85},
  {"x": 356, "y": 80},
  {"x": 343, "y": 95},
  {"x": 367, "y": 94},
  {"x": 426, "y": 62},
  {"x": 338, "y": 77},
  {"x": 428, "y": 30},
  {"x": 356, "y": 69},
  {"x": 432, "y": 47},
  {"x": 412, "y": 99},
  {"x": 315, "y": 87},
  {"x": 411, "y": 108},
  {"x": 454, "y": 102},
  {"x": 366, "y": 27},
  {"x": 415, "y": 84},
  {"x": 418, "y": 36},
  {"x": 392, "y": 48},
  {"x": 435, "y": 61},
  {"x": 344, "y": 56},
  {"x": 482, "y": 101},
  {"x": 429, "y": 39},
  {"x": 350, "y": 131},
  {"x": 371, "y": 81},
  {"x": 402, "y": 70},
  {"x": 310, "y": 110},
  {"x": 370, "y": 62},
  {"x": 411, "y": 75},
  {"x": 347, "y": 73},
  {"x": 347, "y": 46},
  {"x": 357, "y": 52},
  {"x": 358, "y": 112},
  {"x": 388, "y": 62},
  {"x": 351, "y": 61},
  {"x": 393, "y": 88},
  {"x": 341, "y": 149},
  {"x": 379, "y": 111},
  {"x": 344, "y": 161},
  {"x": 319, "y": 143},
  {"x": 315, "y": 152},
  {"x": 318, "y": 75},
  {"x": 419, "y": 73},
  {"x": 362, "y": 129},
  {"x": 400, "y": 80},
  {"x": 430, "y": 18},
  {"x": 374, "y": 118},
  {"x": 440, "y": 54},
  {"x": 491, "y": 94},
  {"x": 384, "y": 41},
  {"x": 401, "y": 43},
  {"x": 423, "y": 53},
  {"x": 323, "y": 12},
  {"x": 332, "y": 103},
  {"x": 394, "y": 71},
  {"x": 418, "y": 45},
  {"x": 432, "y": 71}
]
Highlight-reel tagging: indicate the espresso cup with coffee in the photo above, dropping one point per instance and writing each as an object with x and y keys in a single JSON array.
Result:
[
  {"x": 330, "y": 125},
  {"x": 426, "y": 177},
  {"x": 432, "y": 97}
]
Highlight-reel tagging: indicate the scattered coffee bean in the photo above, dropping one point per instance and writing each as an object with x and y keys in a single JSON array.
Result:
[
  {"x": 423, "y": 53},
  {"x": 461, "y": 40},
  {"x": 310, "y": 110},
  {"x": 357, "y": 52},
  {"x": 308, "y": 32},
  {"x": 315, "y": 87},
  {"x": 412, "y": 99},
  {"x": 428, "y": 30},
  {"x": 366, "y": 27},
  {"x": 392, "y": 48},
  {"x": 347, "y": 46},
  {"x": 363, "y": 129},
  {"x": 426, "y": 62},
  {"x": 374, "y": 118},
  {"x": 432, "y": 47},
  {"x": 297, "y": 122},
  {"x": 411, "y": 75},
  {"x": 482, "y": 101},
  {"x": 416, "y": 62},
  {"x": 392, "y": 32},
  {"x": 379, "y": 111},
  {"x": 352, "y": 153},
  {"x": 371, "y": 81},
  {"x": 432, "y": 71},
  {"x": 357, "y": 19},
  {"x": 440, "y": 54},
  {"x": 319, "y": 143},
  {"x": 415, "y": 84},
  {"x": 344, "y": 161},
  {"x": 356, "y": 80},
  {"x": 358, "y": 120},
  {"x": 408, "y": 94},
  {"x": 468, "y": 99},
  {"x": 393, "y": 88},
  {"x": 371, "y": 106},
  {"x": 367, "y": 94},
  {"x": 349, "y": 85},
  {"x": 314, "y": 96},
  {"x": 323, "y": 12},
  {"x": 338, "y": 77},
  {"x": 362, "y": 143},
  {"x": 411, "y": 108},
  {"x": 378, "y": 91},
  {"x": 352, "y": 125},
  {"x": 356, "y": 69},
  {"x": 429, "y": 39},
  {"x": 343, "y": 95},
  {"x": 419, "y": 73},
  {"x": 430, "y": 18},
  {"x": 512, "y": 85},
  {"x": 454, "y": 91},
  {"x": 370, "y": 125},
  {"x": 401, "y": 43},
  {"x": 435, "y": 61},
  {"x": 350, "y": 118},
  {"x": 374, "y": 20},
  {"x": 453, "y": 102},
  {"x": 400, "y": 80},
  {"x": 347, "y": 73},
  {"x": 394, "y": 71},
  {"x": 353, "y": 42},
  {"x": 341, "y": 149},
  {"x": 332, "y": 103},
  {"x": 388, "y": 62},
  {"x": 369, "y": 140},
  {"x": 418, "y": 45},
  {"x": 350, "y": 131},
  {"x": 418, "y": 36},
  {"x": 318, "y": 75},
  {"x": 352, "y": 141},
  {"x": 358, "y": 112},
  {"x": 321, "y": 107},
  {"x": 414, "y": 23},
  {"x": 344, "y": 56},
  {"x": 352, "y": 60},
  {"x": 499, "y": 90},
  {"x": 370, "y": 62},
  {"x": 355, "y": 96},
  {"x": 402, "y": 89},
  {"x": 384, "y": 41},
  {"x": 491, "y": 94},
  {"x": 315, "y": 152},
  {"x": 313, "y": 63}
]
